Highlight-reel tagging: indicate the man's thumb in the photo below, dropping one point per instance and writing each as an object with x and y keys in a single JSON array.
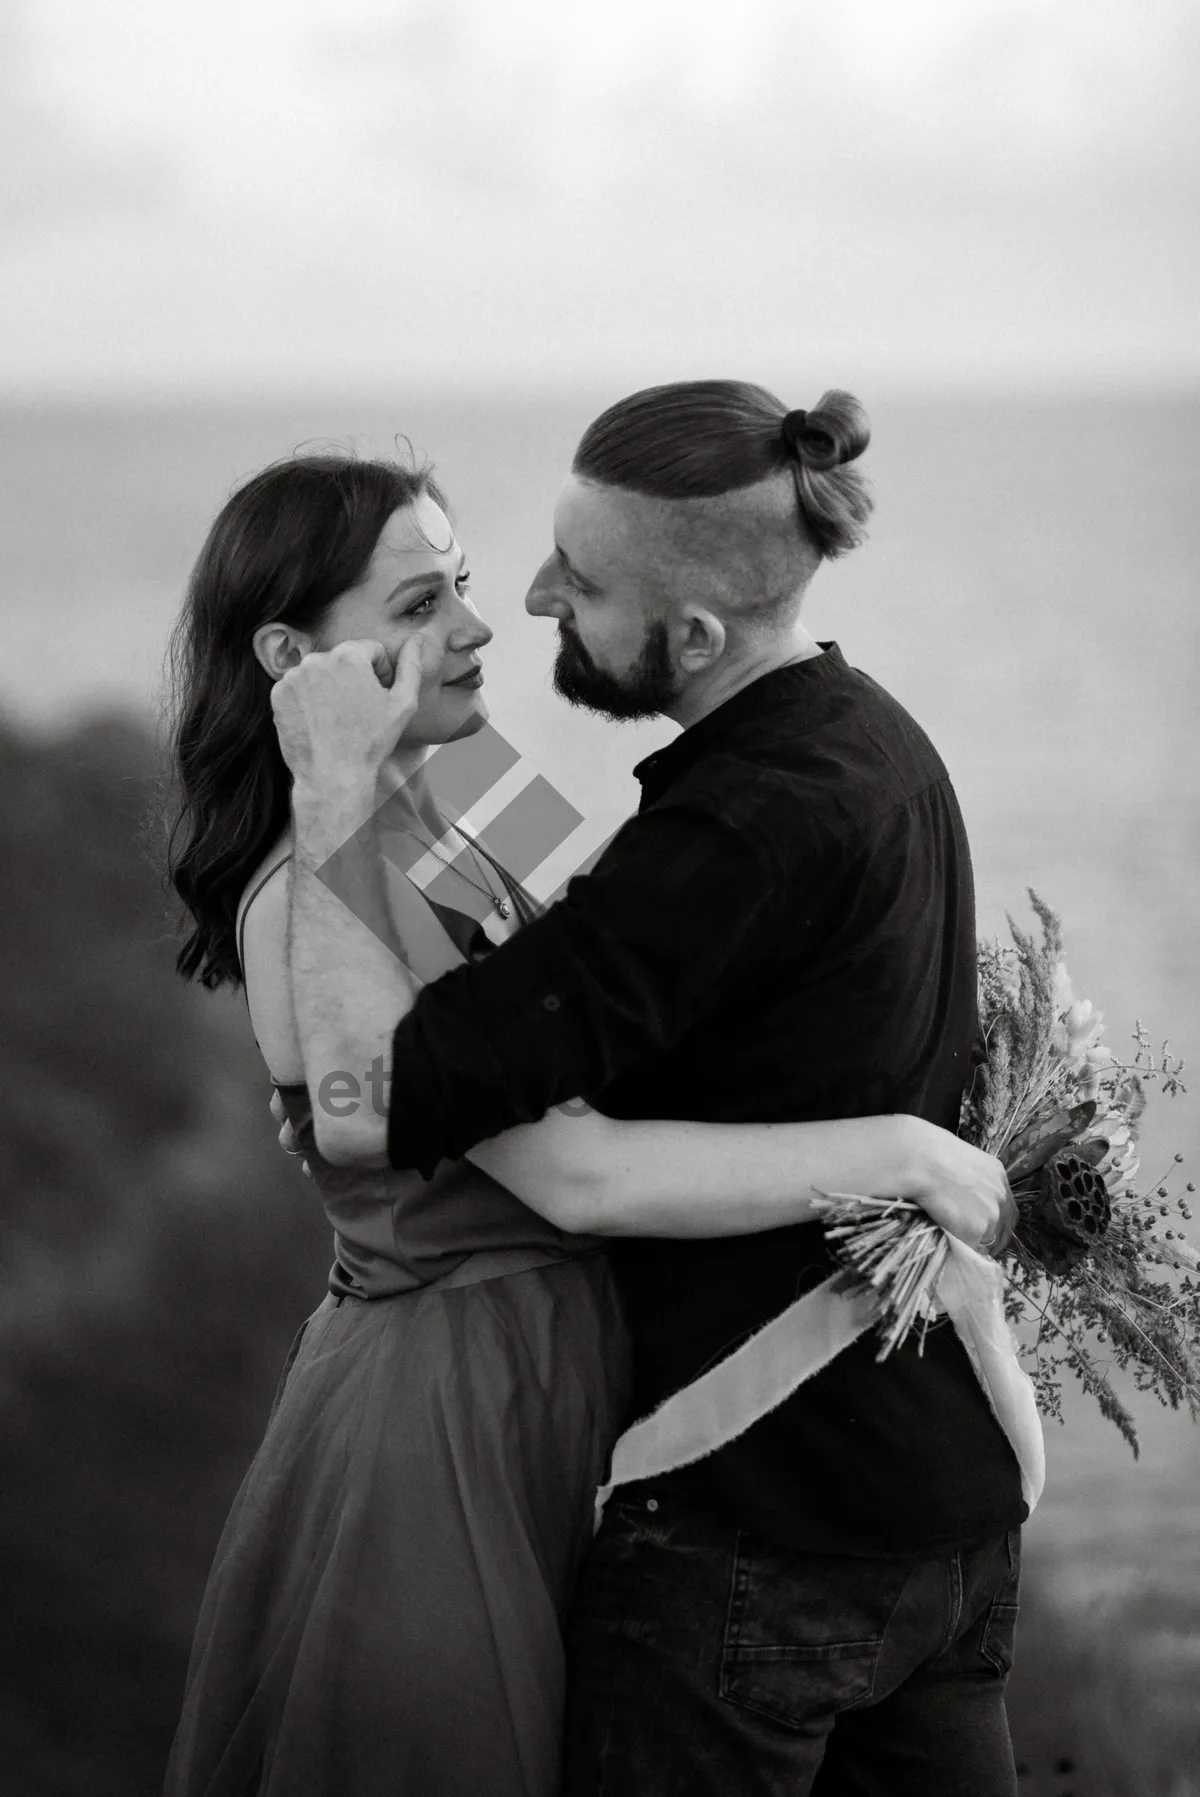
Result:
[
  {"x": 381, "y": 661},
  {"x": 408, "y": 673}
]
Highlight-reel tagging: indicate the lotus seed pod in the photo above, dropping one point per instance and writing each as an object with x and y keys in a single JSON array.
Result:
[{"x": 1068, "y": 1214}]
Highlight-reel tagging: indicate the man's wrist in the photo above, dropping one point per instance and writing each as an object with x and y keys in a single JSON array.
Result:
[{"x": 327, "y": 812}]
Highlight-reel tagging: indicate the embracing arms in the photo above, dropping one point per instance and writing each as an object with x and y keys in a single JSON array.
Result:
[
  {"x": 584, "y": 1172},
  {"x": 597, "y": 1175}
]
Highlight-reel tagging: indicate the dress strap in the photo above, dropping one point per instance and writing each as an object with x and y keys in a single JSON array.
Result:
[{"x": 241, "y": 931}]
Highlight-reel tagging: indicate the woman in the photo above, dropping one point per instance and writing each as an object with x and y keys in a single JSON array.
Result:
[{"x": 383, "y": 1613}]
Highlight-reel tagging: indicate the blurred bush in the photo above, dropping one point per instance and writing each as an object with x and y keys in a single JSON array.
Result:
[
  {"x": 157, "y": 1253},
  {"x": 1105, "y": 1694}
]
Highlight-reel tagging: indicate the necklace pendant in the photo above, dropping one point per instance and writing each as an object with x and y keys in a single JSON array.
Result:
[{"x": 503, "y": 906}]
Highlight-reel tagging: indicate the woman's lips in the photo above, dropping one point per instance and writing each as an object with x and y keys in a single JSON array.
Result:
[{"x": 473, "y": 679}]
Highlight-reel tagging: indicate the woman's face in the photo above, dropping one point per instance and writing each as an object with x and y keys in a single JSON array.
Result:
[{"x": 418, "y": 583}]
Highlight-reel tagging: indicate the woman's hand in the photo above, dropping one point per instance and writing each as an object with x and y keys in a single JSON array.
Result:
[
  {"x": 289, "y": 1141},
  {"x": 962, "y": 1188}
]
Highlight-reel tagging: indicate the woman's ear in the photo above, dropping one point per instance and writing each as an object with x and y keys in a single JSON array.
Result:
[{"x": 278, "y": 647}]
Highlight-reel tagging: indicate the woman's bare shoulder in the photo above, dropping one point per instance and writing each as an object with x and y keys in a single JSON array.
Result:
[
  {"x": 262, "y": 926},
  {"x": 275, "y": 856}
]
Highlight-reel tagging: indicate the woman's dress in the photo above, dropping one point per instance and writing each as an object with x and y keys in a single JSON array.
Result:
[{"x": 383, "y": 1614}]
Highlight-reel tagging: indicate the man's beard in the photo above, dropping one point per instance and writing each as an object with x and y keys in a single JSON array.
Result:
[{"x": 644, "y": 692}]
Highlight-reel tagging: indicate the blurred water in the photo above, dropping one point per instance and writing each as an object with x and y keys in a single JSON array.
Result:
[{"x": 1029, "y": 592}]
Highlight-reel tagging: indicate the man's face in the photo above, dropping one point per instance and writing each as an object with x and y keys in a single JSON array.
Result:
[{"x": 609, "y": 591}]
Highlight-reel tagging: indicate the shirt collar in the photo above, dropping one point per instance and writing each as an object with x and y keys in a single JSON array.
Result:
[{"x": 797, "y": 684}]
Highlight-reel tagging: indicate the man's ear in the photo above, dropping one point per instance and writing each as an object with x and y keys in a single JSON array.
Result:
[
  {"x": 278, "y": 647},
  {"x": 701, "y": 640}
]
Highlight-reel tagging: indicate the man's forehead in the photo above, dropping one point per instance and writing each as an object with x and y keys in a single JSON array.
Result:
[{"x": 589, "y": 512}]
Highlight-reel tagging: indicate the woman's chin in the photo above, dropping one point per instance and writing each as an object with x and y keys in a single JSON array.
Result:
[
  {"x": 475, "y": 719},
  {"x": 447, "y": 723}
]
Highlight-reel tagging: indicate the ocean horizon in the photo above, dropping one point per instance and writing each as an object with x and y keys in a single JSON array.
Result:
[{"x": 1028, "y": 592}]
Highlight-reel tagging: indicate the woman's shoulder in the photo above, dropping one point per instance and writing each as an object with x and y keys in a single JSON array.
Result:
[
  {"x": 262, "y": 945},
  {"x": 262, "y": 880}
]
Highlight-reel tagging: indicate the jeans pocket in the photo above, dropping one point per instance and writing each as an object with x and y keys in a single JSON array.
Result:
[
  {"x": 805, "y": 1631},
  {"x": 1000, "y": 1626},
  {"x": 999, "y": 1635}
]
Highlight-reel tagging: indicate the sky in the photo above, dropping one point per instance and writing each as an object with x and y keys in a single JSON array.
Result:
[{"x": 256, "y": 195}]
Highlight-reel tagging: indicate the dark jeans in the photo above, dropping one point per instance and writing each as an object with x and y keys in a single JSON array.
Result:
[{"x": 705, "y": 1660}]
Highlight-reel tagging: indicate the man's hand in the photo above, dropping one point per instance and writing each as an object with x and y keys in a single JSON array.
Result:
[
  {"x": 339, "y": 714},
  {"x": 288, "y": 1139},
  {"x": 963, "y": 1189}
]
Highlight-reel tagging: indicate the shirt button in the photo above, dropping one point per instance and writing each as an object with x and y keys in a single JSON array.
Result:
[
  {"x": 652, "y": 1503},
  {"x": 551, "y": 1002}
]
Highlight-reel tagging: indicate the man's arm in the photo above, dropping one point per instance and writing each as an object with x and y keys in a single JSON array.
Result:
[
  {"x": 670, "y": 922},
  {"x": 348, "y": 989},
  {"x": 339, "y": 716}
]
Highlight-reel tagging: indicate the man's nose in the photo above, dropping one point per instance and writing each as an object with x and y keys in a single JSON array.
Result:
[{"x": 545, "y": 598}]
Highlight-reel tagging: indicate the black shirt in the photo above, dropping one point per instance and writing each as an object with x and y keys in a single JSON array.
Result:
[{"x": 784, "y": 932}]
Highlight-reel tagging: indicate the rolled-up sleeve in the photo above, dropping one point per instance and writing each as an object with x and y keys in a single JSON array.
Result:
[{"x": 609, "y": 977}]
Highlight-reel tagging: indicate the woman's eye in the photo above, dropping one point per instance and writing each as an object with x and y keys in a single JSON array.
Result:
[
  {"x": 423, "y": 606},
  {"x": 464, "y": 580}
]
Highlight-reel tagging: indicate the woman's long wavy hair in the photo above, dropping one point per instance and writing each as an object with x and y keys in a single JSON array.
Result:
[
  {"x": 282, "y": 549},
  {"x": 697, "y": 439}
]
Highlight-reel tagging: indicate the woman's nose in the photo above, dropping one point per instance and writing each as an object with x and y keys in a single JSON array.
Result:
[{"x": 470, "y": 630}]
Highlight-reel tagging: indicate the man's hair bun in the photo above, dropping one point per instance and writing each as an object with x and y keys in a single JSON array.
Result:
[
  {"x": 834, "y": 432},
  {"x": 697, "y": 439}
]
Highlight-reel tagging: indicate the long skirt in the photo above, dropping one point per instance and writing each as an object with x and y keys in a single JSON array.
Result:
[{"x": 383, "y": 1617}]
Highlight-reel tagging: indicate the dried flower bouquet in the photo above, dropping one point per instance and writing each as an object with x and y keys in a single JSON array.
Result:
[{"x": 1098, "y": 1271}]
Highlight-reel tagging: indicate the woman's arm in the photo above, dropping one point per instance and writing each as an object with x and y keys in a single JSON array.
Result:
[
  {"x": 593, "y": 1174},
  {"x": 586, "y": 1173},
  {"x": 600, "y": 1176}
]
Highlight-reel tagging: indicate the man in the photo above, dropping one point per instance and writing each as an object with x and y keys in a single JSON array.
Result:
[{"x": 785, "y": 931}]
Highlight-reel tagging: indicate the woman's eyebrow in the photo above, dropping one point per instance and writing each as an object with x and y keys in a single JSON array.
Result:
[{"x": 420, "y": 580}]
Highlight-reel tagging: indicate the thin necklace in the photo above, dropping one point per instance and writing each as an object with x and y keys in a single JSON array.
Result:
[{"x": 502, "y": 905}]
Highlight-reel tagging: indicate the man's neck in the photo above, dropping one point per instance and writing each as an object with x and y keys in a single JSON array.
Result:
[{"x": 697, "y": 700}]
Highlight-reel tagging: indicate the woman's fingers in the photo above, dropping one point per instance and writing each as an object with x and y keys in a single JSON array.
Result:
[
  {"x": 966, "y": 1190},
  {"x": 288, "y": 1139},
  {"x": 1006, "y": 1223}
]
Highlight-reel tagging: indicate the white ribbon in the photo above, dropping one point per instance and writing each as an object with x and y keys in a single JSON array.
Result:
[
  {"x": 748, "y": 1384},
  {"x": 970, "y": 1288},
  {"x": 760, "y": 1375}
]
